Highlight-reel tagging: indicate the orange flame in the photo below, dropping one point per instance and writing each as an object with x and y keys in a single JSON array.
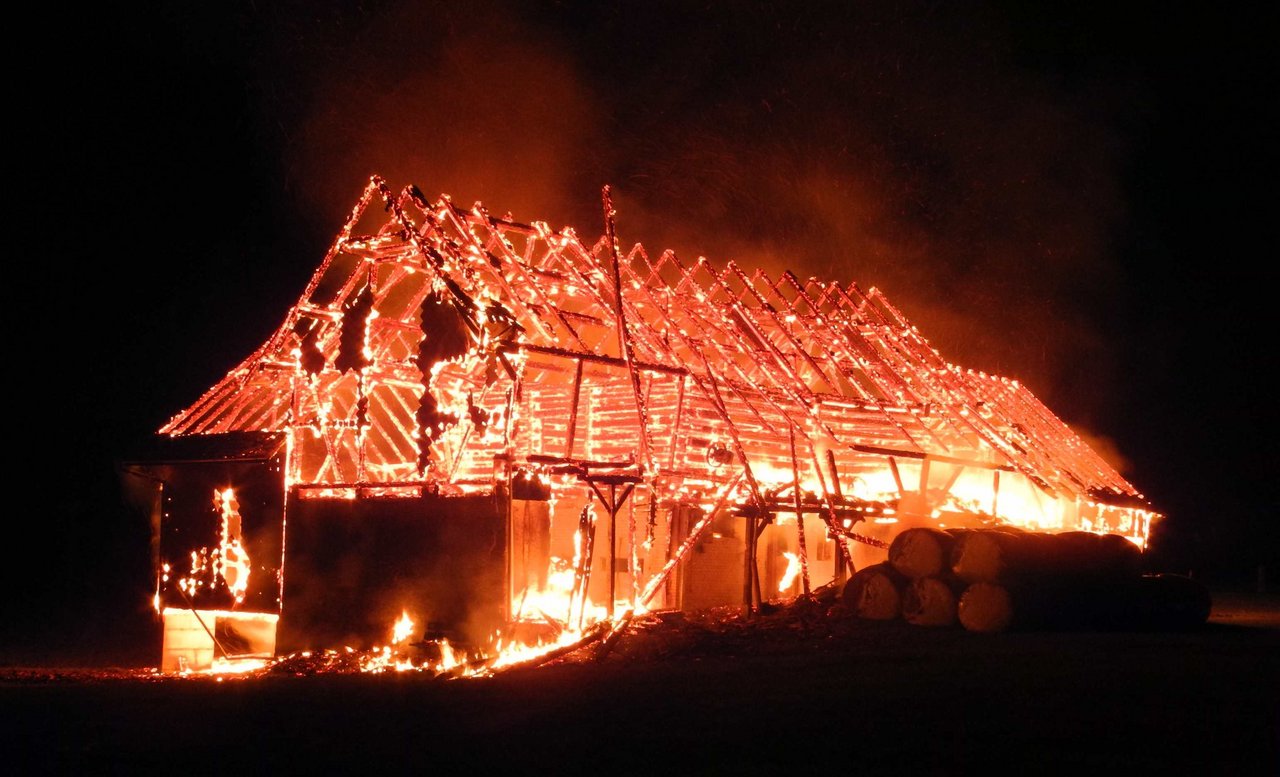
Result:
[
  {"x": 231, "y": 560},
  {"x": 793, "y": 572},
  {"x": 403, "y": 628}
]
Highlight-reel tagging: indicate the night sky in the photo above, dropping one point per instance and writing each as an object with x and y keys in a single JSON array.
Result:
[{"x": 1074, "y": 198}]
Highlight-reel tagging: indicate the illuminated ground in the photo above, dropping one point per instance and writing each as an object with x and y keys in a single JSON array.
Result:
[{"x": 692, "y": 697}]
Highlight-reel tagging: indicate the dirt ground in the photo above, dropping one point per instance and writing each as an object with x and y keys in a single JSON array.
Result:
[{"x": 702, "y": 695}]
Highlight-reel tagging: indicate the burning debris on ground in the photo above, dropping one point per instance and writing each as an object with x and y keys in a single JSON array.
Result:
[
  {"x": 826, "y": 621},
  {"x": 533, "y": 442}
]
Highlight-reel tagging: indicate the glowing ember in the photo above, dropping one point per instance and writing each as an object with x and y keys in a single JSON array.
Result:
[{"x": 222, "y": 666}]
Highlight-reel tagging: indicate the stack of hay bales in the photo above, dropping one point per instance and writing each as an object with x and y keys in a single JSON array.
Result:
[
  {"x": 991, "y": 580},
  {"x": 915, "y": 584}
]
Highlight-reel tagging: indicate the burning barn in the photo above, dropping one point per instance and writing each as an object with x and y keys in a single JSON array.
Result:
[{"x": 487, "y": 423}]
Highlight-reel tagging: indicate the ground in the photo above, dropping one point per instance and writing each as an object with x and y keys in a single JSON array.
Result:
[{"x": 787, "y": 691}]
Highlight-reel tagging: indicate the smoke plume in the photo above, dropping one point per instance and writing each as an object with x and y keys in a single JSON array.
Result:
[{"x": 904, "y": 147}]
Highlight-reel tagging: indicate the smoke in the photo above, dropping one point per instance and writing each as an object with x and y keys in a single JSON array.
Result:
[
  {"x": 462, "y": 101},
  {"x": 1106, "y": 448},
  {"x": 908, "y": 147}
]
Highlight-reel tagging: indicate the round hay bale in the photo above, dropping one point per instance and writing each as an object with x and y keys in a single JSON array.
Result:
[
  {"x": 929, "y": 601},
  {"x": 921, "y": 552},
  {"x": 996, "y": 556},
  {"x": 875, "y": 592}
]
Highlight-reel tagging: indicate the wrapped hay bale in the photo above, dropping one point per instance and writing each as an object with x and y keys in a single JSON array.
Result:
[
  {"x": 985, "y": 607},
  {"x": 1102, "y": 558},
  {"x": 929, "y": 601},
  {"x": 993, "y": 556},
  {"x": 1048, "y": 604},
  {"x": 875, "y": 592},
  {"x": 921, "y": 552}
]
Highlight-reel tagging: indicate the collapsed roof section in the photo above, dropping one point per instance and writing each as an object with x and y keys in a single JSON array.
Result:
[{"x": 438, "y": 347}]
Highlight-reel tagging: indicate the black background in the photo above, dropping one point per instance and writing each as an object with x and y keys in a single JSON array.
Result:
[{"x": 1080, "y": 199}]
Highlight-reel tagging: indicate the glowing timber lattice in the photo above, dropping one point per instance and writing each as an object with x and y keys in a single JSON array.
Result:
[{"x": 445, "y": 349}]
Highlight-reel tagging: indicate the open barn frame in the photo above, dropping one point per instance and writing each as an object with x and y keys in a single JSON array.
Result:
[{"x": 538, "y": 428}]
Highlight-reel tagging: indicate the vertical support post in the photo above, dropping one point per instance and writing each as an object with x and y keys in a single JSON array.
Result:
[
  {"x": 843, "y": 560},
  {"x": 897, "y": 477},
  {"x": 633, "y": 565},
  {"x": 158, "y": 510},
  {"x": 841, "y": 569},
  {"x": 795, "y": 474},
  {"x": 677, "y": 526},
  {"x": 573, "y": 411},
  {"x": 612, "y": 503},
  {"x": 749, "y": 566},
  {"x": 508, "y": 561},
  {"x": 613, "y": 548},
  {"x": 588, "y": 558},
  {"x": 835, "y": 474},
  {"x": 755, "y": 560}
]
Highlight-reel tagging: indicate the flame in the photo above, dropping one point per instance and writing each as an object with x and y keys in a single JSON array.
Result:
[
  {"x": 401, "y": 656},
  {"x": 519, "y": 652},
  {"x": 769, "y": 475},
  {"x": 389, "y": 658},
  {"x": 230, "y": 560},
  {"x": 554, "y": 603},
  {"x": 223, "y": 666},
  {"x": 876, "y": 485},
  {"x": 792, "y": 572},
  {"x": 403, "y": 628}
]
